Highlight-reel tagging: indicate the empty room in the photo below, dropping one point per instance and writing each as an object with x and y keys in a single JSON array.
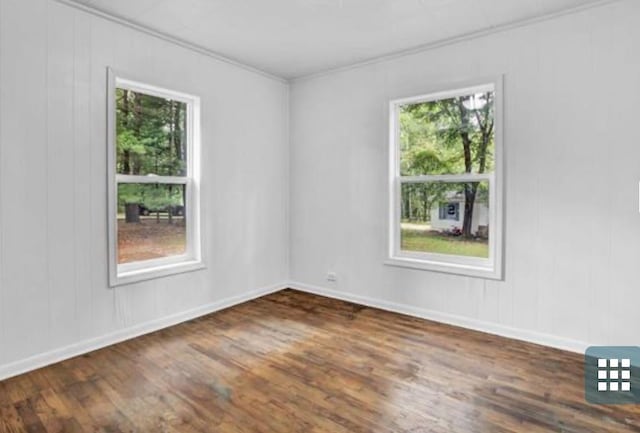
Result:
[{"x": 323, "y": 216}]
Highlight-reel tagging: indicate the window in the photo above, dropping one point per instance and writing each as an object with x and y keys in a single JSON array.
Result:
[
  {"x": 450, "y": 211},
  {"x": 446, "y": 181},
  {"x": 154, "y": 214}
]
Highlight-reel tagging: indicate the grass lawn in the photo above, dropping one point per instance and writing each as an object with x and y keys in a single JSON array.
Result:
[{"x": 434, "y": 242}]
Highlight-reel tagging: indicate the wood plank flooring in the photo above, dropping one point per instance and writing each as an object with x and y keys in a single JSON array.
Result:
[{"x": 294, "y": 362}]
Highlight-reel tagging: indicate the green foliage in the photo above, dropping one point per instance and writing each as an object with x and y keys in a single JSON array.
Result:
[
  {"x": 129, "y": 193},
  {"x": 152, "y": 196},
  {"x": 433, "y": 136},
  {"x": 448, "y": 136},
  {"x": 162, "y": 197},
  {"x": 420, "y": 241},
  {"x": 129, "y": 142},
  {"x": 150, "y": 134}
]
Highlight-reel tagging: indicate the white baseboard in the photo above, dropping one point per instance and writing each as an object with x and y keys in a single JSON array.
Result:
[
  {"x": 43, "y": 359},
  {"x": 451, "y": 319}
]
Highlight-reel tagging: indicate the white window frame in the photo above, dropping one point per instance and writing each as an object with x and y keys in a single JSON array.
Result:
[
  {"x": 127, "y": 273},
  {"x": 490, "y": 268}
]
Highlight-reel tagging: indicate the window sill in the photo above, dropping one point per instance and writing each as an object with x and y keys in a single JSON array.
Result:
[
  {"x": 150, "y": 273},
  {"x": 486, "y": 272}
]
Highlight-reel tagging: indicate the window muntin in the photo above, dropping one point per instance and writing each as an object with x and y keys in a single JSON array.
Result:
[
  {"x": 446, "y": 181},
  {"x": 154, "y": 181}
]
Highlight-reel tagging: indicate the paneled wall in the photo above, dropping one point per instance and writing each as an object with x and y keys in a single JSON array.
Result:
[
  {"x": 572, "y": 86},
  {"x": 572, "y": 161},
  {"x": 53, "y": 205}
]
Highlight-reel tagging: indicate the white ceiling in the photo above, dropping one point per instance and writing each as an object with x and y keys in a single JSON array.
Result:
[{"x": 293, "y": 38}]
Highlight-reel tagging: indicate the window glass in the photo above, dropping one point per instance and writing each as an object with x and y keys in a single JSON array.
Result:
[
  {"x": 151, "y": 221},
  {"x": 434, "y": 214},
  {"x": 151, "y": 134},
  {"x": 448, "y": 136}
]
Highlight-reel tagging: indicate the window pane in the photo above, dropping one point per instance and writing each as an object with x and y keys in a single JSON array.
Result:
[
  {"x": 446, "y": 218},
  {"x": 150, "y": 134},
  {"x": 151, "y": 221},
  {"x": 448, "y": 136}
]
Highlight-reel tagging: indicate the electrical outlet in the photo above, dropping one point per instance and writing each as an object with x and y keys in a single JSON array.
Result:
[{"x": 332, "y": 276}]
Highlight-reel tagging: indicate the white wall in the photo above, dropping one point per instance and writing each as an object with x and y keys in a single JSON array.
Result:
[
  {"x": 53, "y": 207},
  {"x": 572, "y": 89}
]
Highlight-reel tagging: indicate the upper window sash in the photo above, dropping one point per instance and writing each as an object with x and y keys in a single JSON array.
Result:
[
  {"x": 474, "y": 105},
  {"x": 191, "y": 120}
]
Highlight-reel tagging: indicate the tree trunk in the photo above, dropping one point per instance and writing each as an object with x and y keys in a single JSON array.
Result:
[
  {"x": 184, "y": 204},
  {"x": 177, "y": 132},
  {"x": 172, "y": 131},
  {"x": 470, "y": 191},
  {"x": 132, "y": 212},
  {"x": 425, "y": 205},
  {"x": 410, "y": 194},
  {"x": 136, "y": 163},
  {"x": 469, "y": 188},
  {"x": 126, "y": 155},
  {"x": 126, "y": 167},
  {"x": 170, "y": 208},
  {"x": 405, "y": 204}
]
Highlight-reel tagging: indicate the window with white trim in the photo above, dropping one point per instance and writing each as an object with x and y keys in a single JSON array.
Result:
[
  {"x": 154, "y": 212},
  {"x": 446, "y": 181}
]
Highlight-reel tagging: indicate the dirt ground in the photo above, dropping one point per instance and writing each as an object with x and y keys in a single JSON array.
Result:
[{"x": 149, "y": 239}]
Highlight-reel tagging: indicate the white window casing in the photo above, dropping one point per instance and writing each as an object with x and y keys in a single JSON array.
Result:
[
  {"x": 126, "y": 273},
  {"x": 491, "y": 267}
]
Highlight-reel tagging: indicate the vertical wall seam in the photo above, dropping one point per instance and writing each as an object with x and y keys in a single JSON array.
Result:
[
  {"x": 288, "y": 177},
  {"x": 2, "y": 283},
  {"x": 46, "y": 168},
  {"x": 74, "y": 163},
  {"x": 90, "y": 144}
]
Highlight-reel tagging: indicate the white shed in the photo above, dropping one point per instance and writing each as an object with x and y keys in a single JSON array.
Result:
[{"x": 450, "y": 214}]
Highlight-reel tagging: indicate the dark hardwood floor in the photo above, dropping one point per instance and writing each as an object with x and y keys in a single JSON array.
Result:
[{"x": 293, "y": 362}]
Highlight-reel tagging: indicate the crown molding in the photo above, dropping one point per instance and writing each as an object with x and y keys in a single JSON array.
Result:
[
  {"x": 455, "y": 40},
  {"x": 168, "y": 38},
  {"x": 360, "y": 64}
]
